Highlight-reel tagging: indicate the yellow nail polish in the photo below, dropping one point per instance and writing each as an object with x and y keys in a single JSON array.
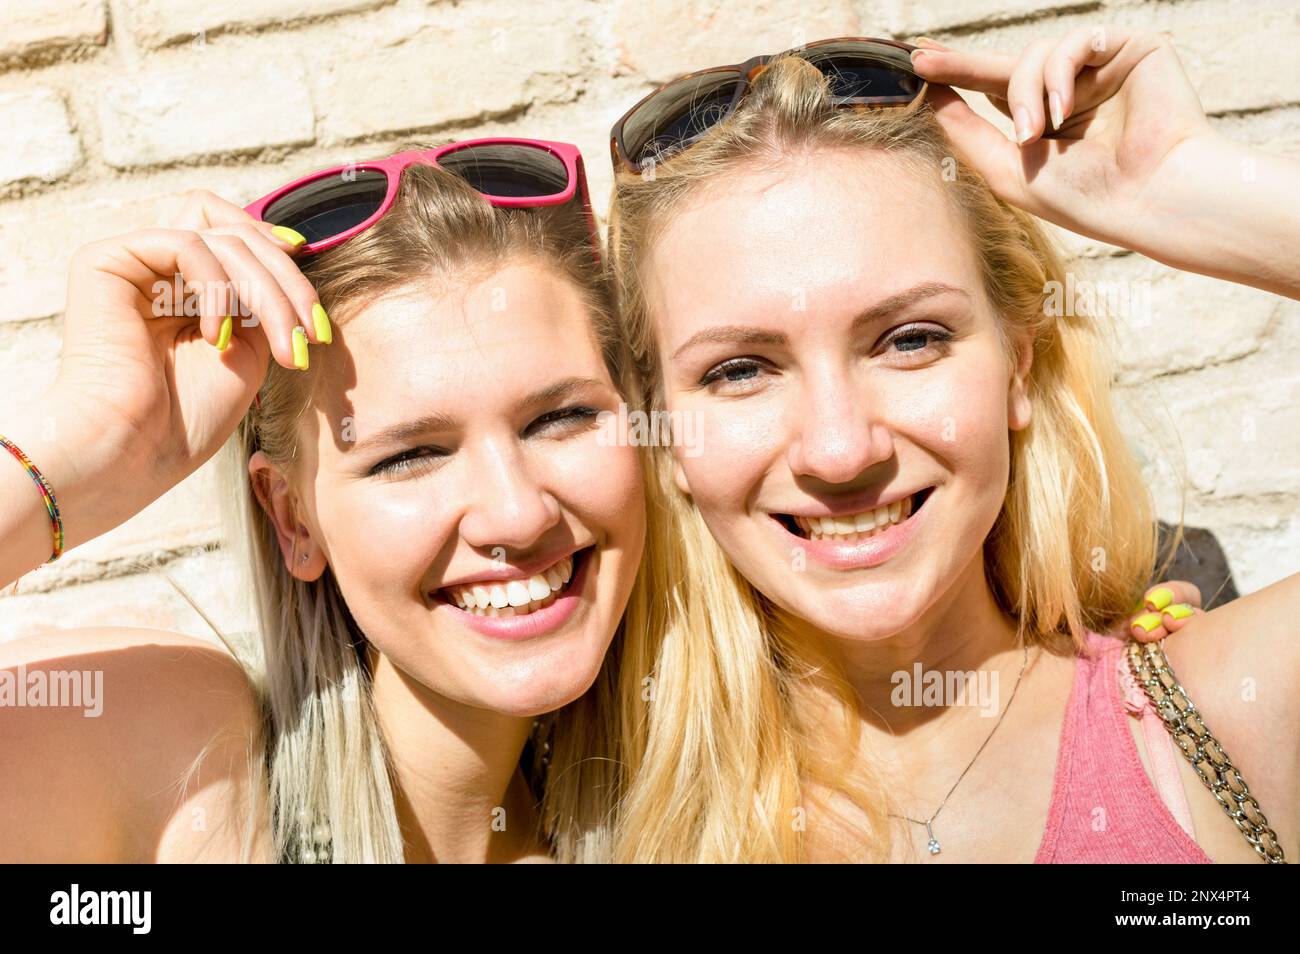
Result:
[
  {"x": 1148, "y": 621},
  {"x": 300, "y": 347},
  {"x": 223, "y": 336},
  {"x": 1160, "y": 597},
  {"x": 1181, "y": 610},
  {"x": 322, "y": 323},
  {"x": 286, "y": 234}
]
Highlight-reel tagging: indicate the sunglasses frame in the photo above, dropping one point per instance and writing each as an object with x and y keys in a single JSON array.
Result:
[
  {"x": 393, "y": 166},
  {"x": 749, "y": 71}
]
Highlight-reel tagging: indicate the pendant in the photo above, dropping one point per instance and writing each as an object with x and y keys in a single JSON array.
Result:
[{"x": 934, "y": 842}]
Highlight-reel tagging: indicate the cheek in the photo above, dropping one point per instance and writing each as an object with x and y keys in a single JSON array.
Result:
[
  {"x": 383, "y": 538},
  {"x": 958, "y": 413},
  {"x": 601, "y": 485},
  {"x": 732, "y": 444}
]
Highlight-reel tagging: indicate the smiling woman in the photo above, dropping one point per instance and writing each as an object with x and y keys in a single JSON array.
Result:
[
  {"x": 482, "y": 494},
  {"x": 907, "y": 460},
  {"x": 437, "y": 536}
]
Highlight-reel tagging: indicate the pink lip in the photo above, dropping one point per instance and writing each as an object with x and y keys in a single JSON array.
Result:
[
  {"x": 863, "y": 554},
  {"x": 537, "y": 623}
]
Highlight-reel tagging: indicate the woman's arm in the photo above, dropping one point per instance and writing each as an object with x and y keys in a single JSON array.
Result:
[
  {"x": 149, "y": 387},
  {"x": 1113, "y": 144}
]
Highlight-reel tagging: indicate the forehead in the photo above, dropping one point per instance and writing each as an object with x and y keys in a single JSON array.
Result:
[
  {"x": 821, "y": 223},
  {"x": 462, "y": 341}
]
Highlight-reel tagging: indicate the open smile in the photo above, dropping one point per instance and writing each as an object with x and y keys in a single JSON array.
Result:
[
  {"x": 524, "y": 606},
  {"x": 855, "y": 540},
  {"x": 852, "y": 527},
  {"x": 517, "y": 597}
]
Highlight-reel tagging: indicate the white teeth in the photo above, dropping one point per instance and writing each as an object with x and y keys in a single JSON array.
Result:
[
  {"x": 518, "y": 593},
  {"x": 858, "y": 526},
  {"x": 515, "y": 597}
]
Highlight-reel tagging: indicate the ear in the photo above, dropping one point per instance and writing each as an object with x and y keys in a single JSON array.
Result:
[
  {"x": 1019, "y": 408},
  {"x": 679, "y": 475},
  {"x": 303, "y": 558}
]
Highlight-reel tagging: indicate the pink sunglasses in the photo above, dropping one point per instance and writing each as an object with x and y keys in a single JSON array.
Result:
[{"x": 331, "y": 206}]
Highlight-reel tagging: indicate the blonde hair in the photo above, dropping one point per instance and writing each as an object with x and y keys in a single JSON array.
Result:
[
  {"x": 326, "y": 761},
  {"x": 739, "y": 735}
]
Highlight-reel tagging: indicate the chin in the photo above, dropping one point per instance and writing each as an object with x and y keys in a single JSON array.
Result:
[
  {"x": 863, "y": 613},
  {"x": 539, "y": 686}
]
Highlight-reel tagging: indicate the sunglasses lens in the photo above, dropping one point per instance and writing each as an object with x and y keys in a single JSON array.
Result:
[
  {"x": 330, "y": 206},
  {"x": 678, "y": 114},
  {"x": 869, "y": 72},
  {"x": 511, "y": 171}
]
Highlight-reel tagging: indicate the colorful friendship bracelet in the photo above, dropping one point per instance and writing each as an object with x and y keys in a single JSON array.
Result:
[{"x": 56, "y": 521}]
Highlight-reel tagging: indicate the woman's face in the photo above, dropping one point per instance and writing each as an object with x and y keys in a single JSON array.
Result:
[
  {"x": 483, "y": 530},
  {"x": 824, "y": 323}
]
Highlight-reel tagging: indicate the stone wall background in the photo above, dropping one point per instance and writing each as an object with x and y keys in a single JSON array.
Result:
[{"x": 112, "y": 109}]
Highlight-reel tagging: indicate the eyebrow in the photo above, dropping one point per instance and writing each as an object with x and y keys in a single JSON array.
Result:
[
  {"x": 405, "y": 431},
  {"x": 742, "y": 334}
]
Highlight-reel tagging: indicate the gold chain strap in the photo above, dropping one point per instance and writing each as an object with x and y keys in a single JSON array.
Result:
[{"x": 1152, "y": 671}]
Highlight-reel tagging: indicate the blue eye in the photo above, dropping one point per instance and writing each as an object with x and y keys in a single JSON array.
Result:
[
  {"x": 733, "y": 370},
  {"x": 917, "y": 338}
]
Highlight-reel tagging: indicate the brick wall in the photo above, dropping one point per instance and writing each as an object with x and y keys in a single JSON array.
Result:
[{"x": 111, "y": 109}]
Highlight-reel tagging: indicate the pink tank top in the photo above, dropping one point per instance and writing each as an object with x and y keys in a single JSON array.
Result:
[{"x": 1104, "y": 808}]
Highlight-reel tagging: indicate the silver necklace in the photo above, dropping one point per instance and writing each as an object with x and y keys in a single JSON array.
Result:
[{"x": 933, "y": 844}]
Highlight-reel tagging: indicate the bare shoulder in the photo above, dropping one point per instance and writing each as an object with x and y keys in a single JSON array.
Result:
[
  {"x": 122, "y": 744},
  {"x": 1240, "y": 665}
]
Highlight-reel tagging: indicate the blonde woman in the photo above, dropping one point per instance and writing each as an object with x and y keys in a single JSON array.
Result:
[
  {"x": 440, "y": 538},
  {"x": 904, "y": 464}
]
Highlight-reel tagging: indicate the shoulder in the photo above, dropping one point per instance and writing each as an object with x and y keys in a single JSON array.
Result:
[
  {"x": 1240, "y": 665},
  {"x": 113, "y": 736}
]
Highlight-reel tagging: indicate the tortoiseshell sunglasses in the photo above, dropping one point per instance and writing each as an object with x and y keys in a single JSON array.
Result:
[{"x": 864, "y": 72}]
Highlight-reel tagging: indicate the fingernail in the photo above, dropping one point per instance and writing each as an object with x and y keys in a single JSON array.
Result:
[
  {"x": 223, "y": 336},
  {"x": 1054, "y": 107},
  {"x": 300, "y": 347},
  {"x": 1148, "y": 621},
  {"x": 933, "y": 42},
  {"x": 1022, "y": 124},
  {"x": 286, "y": 234},
  {"x": 322, "y": 323},
  {"x": 1181, "y": 610},
  {"x": 1160, "y": 598},
  {"x": 917, "y": 53}
]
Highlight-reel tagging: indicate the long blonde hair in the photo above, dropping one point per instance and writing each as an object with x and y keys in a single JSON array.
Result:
[
  {"x": 326, "y": 768},
  {"x": 746, "y": 723}
]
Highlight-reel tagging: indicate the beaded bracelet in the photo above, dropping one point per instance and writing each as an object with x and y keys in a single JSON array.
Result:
[{"x": 56, "y": 521}]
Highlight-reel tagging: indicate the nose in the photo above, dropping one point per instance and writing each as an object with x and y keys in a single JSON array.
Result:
[
  {"x": 838, "y": 431},
  {"x": 505, "y": 506}
]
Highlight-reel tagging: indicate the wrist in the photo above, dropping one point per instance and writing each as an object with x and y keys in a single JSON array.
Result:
[
  {"x": 88, "y": 474},
  {"x": 1220, "y": 208}
]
